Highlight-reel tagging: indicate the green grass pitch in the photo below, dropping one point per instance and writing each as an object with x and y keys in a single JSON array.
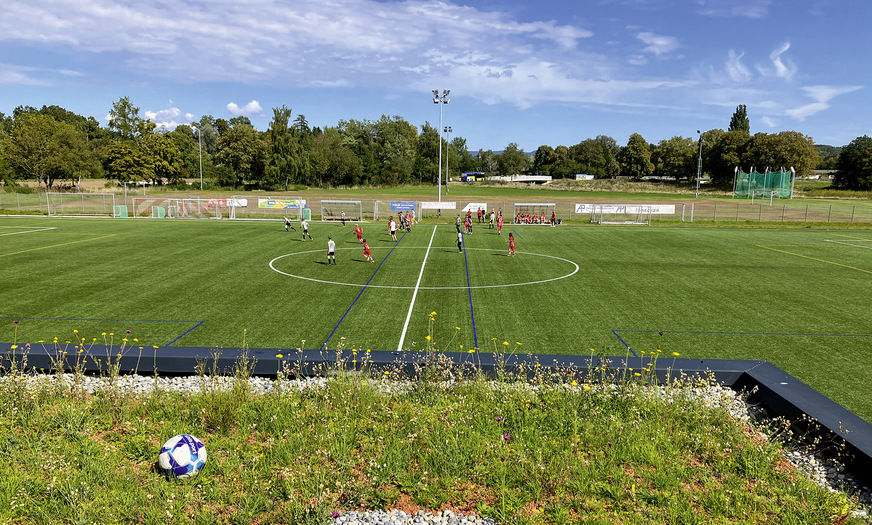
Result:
[{"x": 798, "y": 298}]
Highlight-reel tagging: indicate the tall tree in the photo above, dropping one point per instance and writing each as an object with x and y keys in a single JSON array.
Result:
[
  {"x": 125, "y": 162},
  {"x": 166, "y": 159},
  {"x": 44, "y": 149},
  {"x": 512, "y": 160},
  {"x": 394, "y": 149},
  {"x": 635, "y": 158},
  {"x": 854, "y": 167},
  {"x": 287, "y": 161},
  {"x": 739, "y": 121},
  {"x": 124, "y": 119},
  {"x": 675, "y": 158},
  {"x": 242, "y": 150}
]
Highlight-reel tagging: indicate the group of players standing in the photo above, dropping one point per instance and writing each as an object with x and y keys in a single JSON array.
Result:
[{"x": 405, "y": 221}]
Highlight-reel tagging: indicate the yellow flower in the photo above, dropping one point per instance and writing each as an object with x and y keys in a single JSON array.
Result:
[
  {"x": 574, "y": 383},
  {"x": 387, "y": 373},
  {"x": 104, "y": 333},
  {"x": 427, "y": 338},
  {"x": 587, "y": 387},
  {"x": 517, "y": 343},
  {"x": 432, "y": 313},
  {"x": 676, "y": 354},
  {"x": 125, "y": 339},
  {"x": 135, "y": 340},
  {"x": 638, "y": 374},
  {"x": 14, "y": 347},
  {"x": 457, "y": 327},
  {"x": 470, "y": 351},
  {"x": 505, "y": 343},
  {"x": 75, "y": 331},
  {"x": 279, "y": 356},
  {"x": 154, "y": 346},
  {"x": 354, "y": 360}
]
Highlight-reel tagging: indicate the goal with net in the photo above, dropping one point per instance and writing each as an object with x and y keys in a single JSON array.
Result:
[
  {"x": 337, "y": 210},
  {"x": 621, "y": 214},
  {"x": 186, "y": 208},
  {"x": 533, "y": 213},
  {"x": 383, "y": 210},
  {"x": 767, "y": 184},
  {"x": 262, "y": 207},
  {"x": 80, "y": 204}
]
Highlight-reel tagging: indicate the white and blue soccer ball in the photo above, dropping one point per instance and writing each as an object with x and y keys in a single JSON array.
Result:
[{"x": 182, "y": 456}]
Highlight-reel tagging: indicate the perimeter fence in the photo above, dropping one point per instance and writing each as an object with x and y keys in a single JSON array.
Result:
[{"x": 764, "y": 210}]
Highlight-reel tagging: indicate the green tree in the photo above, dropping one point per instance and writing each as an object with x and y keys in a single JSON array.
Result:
[
  {"x": 242, "y": 150},
  {"x": 723, "y": 152},
  {"x": 739, "y": 121},
  {"x": 394, "y": 148},
  {"x": 783, "y": 150},
  {"x": 512, "y": 160},
  {"x": 46, "y": 150},
  {"x": 635, "y": 158},
  {"x": 544, "y": 160},
  {"x": 488, "y": 162},
  {"x": 854, "y": 167},
  {"x": 287, "y": 161},
  {"x": 675, "y": 158},
  {"x": 124, "y": 119},
  {"x": 593, "y": 157},
  {"x": 333, "y": 163},
  {"x": 126, "y": 163},
  {"x": 166, "y": 158}
]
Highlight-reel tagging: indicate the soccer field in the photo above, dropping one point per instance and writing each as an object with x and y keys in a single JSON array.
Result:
[{"x": 798, "y": 298}]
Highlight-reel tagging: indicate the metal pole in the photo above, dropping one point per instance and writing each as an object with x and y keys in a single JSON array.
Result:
[
  {"x": 200, "y": 144},
  {"x": 447, "y": 131},
  {"x": 699, "y": 165}
]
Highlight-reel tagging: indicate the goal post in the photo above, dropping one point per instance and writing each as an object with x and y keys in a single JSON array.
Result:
[
  {"x": 80, "y": 204},
  {"x": 382, "y": 210},
  {"x": 332, "y": 210},
  {"x": 621, "y": 214},
  {"x": 533, "y": 212},
  {"x": 267, "y": 207}
]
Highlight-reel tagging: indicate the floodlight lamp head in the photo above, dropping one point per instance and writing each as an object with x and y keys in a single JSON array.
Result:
[
  {"x": 436, "y": 100},
  {"x": 445, "y": 92},
  {"x": 435, "y": 92}
]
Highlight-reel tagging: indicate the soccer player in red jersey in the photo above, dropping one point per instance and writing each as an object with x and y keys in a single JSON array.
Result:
[
  {"x": 500, "y": 224},
  {"x": 366, "y": 252},
  {"x": 511, "y": 242},
  {"x": 358, "y": 232}
]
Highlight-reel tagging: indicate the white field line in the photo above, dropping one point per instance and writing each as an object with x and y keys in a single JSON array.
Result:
[
  {"x": 27, "y": 231},
  {"x": 415, "y": 293},
  {"x": 845, "y": 243}
]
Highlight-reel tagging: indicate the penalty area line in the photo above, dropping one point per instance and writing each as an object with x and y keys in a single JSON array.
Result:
[{"x": 415, "y": 293}]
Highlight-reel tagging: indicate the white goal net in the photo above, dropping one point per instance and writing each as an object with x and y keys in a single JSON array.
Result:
[
  {"x": 341, "y": 210},
  {"x": 273, "y": 207},
  {"x": 621, "y": 214},
  {"x": 534, "y": 213},
  {"x": 80, "y": 204},
  {"x": 383, "y": 210},
  {"x": 182, "y": 208}
]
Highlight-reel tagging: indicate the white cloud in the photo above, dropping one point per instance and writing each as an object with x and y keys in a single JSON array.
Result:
[
  {"x": 736, "y": 70},
  {"x": 735, "y": 8},
  {"x": 767, "y": 121},
  {"x": 658, "y": 44},
  {"x": 821, "y": 96},
  {"x": 251, "y": 109},
  {"x": 780, "y": 69},
  {"x": 168, "y": 118}
]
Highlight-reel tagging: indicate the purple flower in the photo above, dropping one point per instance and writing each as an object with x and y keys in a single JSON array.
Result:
[
  {"x": 502, "y": 458},
  {"x": 335, "y": 514},
  {"x": 500, "y": 419},
  {"x": 610, "y": 443},
  {"x": 507, "y": 436},
  {"x": 27, "y": 346},
  {"x": 128, "y": 331},
  {"x": 15, "y": 321}
]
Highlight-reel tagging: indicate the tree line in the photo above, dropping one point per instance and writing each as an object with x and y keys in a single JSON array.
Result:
[{"x": 52, "y": 144}]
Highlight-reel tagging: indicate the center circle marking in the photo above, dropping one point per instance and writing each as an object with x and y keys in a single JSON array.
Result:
[{"x": 570, "y": 274}]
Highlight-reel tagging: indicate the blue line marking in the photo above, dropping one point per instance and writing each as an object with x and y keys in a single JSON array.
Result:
[
  {"x": 324, "y": 345},
  {"x": 469, "y": 289},
  {"x": 625, "y": 344},
  {"x": 184, "y": 334},
  {"x": 516, "y": 233},
  {"x": 114, "y": 321}
]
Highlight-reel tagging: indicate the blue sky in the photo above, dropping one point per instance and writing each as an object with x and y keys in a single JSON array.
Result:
[{"x": 546, "y": 72}]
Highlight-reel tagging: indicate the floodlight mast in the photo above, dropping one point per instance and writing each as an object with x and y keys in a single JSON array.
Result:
[
  {"x": 440, "y": 99},
  {"x": 447, "y": 130},
  {"x": 699, "y": 164},
  {"x": 200, "y": 147}
]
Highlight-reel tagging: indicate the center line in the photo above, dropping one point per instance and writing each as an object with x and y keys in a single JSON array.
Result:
[{"x": 415, "y": 293}]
